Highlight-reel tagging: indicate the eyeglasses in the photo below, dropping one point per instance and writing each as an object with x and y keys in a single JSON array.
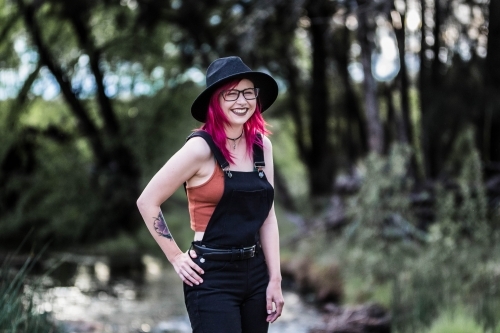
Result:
[{"x": 233, "y": 94}]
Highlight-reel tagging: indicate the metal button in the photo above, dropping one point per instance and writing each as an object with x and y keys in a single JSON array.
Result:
[{"x": 202, "y": 260}]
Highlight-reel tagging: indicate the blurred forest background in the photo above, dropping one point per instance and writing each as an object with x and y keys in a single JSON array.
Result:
[{"x": 386, "y": 135}]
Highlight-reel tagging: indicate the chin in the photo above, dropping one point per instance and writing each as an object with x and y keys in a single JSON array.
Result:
[{"x": 237, "y": 123}]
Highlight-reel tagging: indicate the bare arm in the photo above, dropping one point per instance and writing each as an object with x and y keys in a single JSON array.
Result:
[
  {"x": 186, "y": 164},
  {"x": 269, "y": 237}
]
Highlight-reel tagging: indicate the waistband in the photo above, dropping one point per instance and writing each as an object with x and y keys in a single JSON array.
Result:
[{"x": 224, "y": 254}]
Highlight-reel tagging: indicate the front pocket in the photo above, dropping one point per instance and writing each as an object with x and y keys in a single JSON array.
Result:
[{"x": 210, "y": 265}]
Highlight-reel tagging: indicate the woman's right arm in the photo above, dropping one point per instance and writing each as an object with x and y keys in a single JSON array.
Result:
[{"x": 185, "y": 164}]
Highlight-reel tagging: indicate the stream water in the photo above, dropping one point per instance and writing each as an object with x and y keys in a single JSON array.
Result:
[{"x": 90, "y": 294}]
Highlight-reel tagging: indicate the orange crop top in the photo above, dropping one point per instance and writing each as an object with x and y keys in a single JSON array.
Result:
[{"x": 202, "y": 199}]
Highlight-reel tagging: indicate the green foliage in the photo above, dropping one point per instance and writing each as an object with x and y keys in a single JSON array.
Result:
[
  {"x": 382, "y": 206},
  {"x": 75, "y": 183},
  {"x": 18, "y": 309},
  {"x": 157, "y": 126},
  {"x": 451, "y": 265},
  {"x": 56, "y": 189},
  {"x": 467, "y": 204},
  {"x": 457, "y": 321},
  {"x": 287, "y": 158},
  {"x": 384, "y": 257}
]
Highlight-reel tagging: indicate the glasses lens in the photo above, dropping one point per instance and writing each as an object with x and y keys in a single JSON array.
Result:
[
  {"x": 249, "y": 93},
  {"x": 233, "y": 94}
]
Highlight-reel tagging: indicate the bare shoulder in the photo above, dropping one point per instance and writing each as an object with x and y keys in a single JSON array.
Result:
[
  {"x": 268, "y": 157},
  {"x": 198, "y": 149},
  {"x": 267, "y": 143},
  {"x": 268, "y": 151}
]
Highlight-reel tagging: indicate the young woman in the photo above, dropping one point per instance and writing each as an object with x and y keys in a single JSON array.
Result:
[{"x": 231, "y": 273}]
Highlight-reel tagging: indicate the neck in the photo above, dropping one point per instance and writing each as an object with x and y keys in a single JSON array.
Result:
[{"x": 233, "y": 132}]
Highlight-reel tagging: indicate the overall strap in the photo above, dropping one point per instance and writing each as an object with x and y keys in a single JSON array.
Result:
[
  {"x": 258, "y": 154},
  {"x": 215, "y": 150}
]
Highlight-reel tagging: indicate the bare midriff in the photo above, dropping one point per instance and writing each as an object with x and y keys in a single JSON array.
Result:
[{"x": 198, "y": 235}]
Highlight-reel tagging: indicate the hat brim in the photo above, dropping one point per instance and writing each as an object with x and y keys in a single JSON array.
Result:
[{"x": 268, "y": 92}]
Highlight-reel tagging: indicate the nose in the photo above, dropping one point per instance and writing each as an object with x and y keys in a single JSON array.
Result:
[{"x": 241, "y": 99}]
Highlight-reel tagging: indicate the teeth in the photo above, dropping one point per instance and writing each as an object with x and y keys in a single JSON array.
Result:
[{"x": 239, "y": 111}]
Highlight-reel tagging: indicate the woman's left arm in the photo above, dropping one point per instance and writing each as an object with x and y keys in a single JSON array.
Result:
[{"x": 269, "y": 238}]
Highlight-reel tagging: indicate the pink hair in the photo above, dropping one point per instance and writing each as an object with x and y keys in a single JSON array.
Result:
[{"x": 217, "y": 120}]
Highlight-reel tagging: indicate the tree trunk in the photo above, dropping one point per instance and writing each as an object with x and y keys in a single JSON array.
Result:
[
  {"x": 116, "y": 176},
  {"x": 492, "y": 72},
  {"x": 292, "y": 76},
  {"x": 374, "y": 125},
  {"x": 86, "y": 125},
  {"x": 436, "y": 63},
  {"x": 392, "y": 127},
  {"x": 492, "y": 78},
  {"x": 355, "y": 138},
  {"x": 406, "y": 125},
  {"x": 423, "y": 48},
  {"x": 405, "y": 130},
  {"x": 320, "y": 160},
  {"x": 422, "y": 84}
]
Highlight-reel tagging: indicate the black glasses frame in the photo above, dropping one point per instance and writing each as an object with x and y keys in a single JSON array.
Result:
[{"x": 256, "y": 91}]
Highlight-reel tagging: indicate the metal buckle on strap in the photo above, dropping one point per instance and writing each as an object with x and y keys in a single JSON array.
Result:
[
  {"x": 227, "y": 171},
  {"x": 250, "y": 249},
  {"x": 259, "y": 166}
]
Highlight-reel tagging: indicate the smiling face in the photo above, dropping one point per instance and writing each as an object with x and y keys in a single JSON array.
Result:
[{"x": 241, "y": 109}]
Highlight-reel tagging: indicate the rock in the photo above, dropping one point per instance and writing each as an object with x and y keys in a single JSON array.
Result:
[{"x": 370, "y": 318}]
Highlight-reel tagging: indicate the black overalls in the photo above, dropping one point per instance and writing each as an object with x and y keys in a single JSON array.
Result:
[{"x": 232, "y": 297}]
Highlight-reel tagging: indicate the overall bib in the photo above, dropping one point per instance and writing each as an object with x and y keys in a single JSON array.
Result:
[{"x": 232, "y": 297}]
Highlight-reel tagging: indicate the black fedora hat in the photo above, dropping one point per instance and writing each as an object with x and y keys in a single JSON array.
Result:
[{"x": 226, "y": 69}]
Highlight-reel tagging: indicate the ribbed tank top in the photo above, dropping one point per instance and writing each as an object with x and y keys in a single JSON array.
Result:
[{"x": 202, "y": 199}]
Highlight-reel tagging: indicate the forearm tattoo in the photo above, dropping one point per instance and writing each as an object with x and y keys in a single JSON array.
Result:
[{"x": 161, "y": 226}]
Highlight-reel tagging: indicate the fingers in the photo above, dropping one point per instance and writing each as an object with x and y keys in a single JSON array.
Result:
[
  {"x": 184, "y": 277},
  {"x": 269, "y": 305},
  {"x": 279, "y": 308},
  {"x": 187, "y": 270},
  {"x": 190, "y": 277},
  {"x": 274, "y": 308},
  {"x": 197, "y": 269}
]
